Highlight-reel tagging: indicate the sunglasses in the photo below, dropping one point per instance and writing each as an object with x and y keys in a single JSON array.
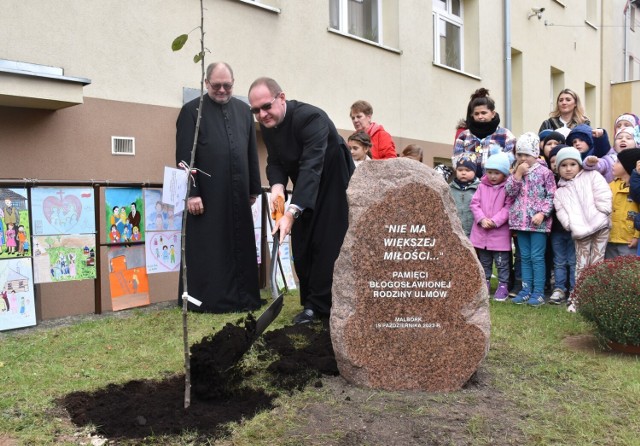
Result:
[
  {"x": 264, "y": 107},
  {"x": 227, "y": 86}
]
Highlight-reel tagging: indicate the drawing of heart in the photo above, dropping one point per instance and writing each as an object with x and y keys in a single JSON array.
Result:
[
  {"x": 157, "y": 244},
  {"x": 62, "y": 213}
]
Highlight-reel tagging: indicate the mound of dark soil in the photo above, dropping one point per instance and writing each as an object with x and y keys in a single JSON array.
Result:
[
  {"x": 213, "y": 359},
  {"x": 138, "y": 409}
]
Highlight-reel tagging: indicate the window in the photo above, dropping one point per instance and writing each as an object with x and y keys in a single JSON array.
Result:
[
  {"x": 360, "y": 18},
  {"x": 592, "y": 13},
  {"x": 590, "y": 101},
  {"x": 448, "y": 33},
  {"x": 557, "y": 85}
]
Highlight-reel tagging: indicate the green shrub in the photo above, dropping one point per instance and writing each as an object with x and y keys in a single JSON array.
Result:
[{"x": 608, "y": 294}]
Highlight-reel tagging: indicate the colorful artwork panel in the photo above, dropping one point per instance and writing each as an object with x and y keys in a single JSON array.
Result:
[
  {"x": 158, "y": 215},
  {"x": 256, "y": 211},
  {"x": 124, "y": 208},
  {"x": 128, "y": 277},
  {"x": 15, "y": 233},
  {"x": 163, "y": 251},
  {"x": 60, "y": 258},
  {"x": 63, "y": 210},
  {"x": 285, "y": 263},
  {"x": 17, "y": 308}
]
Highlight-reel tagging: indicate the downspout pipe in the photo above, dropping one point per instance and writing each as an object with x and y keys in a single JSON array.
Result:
[
  {"x": 625, "y": 75},
  {"x": 507, "y": 64}
]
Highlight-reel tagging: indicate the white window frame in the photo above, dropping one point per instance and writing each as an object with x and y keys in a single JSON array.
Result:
[
  {"x": 447, "y": 16},
  {"x": 262, "y": 5},
  {"x": 343, "y": 19}
]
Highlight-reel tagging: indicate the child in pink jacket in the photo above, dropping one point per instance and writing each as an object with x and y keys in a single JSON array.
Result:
[
  {"x": 583, "y": 204},
  {"x": 532, "y": 186},
  {"x": 490, "y": 233}
]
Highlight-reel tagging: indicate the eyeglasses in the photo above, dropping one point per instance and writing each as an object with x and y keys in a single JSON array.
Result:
[
  {"x": 226, "y": 85},
  {"x": 264, "y": 107}
]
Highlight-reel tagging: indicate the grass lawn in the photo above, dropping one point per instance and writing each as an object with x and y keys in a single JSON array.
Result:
[{"x": 534, "y": 389}]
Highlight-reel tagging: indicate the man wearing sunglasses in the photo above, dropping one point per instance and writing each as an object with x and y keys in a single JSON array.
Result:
[
  {"x": 304, "y": 146},
  {"x": 220, "y": 242}
]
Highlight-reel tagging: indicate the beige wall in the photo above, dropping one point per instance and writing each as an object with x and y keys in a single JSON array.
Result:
[{"x": 75, "y": 143}]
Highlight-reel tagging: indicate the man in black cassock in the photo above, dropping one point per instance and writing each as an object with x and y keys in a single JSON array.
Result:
[
  {"x": 222, "y": 269},
  {"x": 303, "y": 145}
]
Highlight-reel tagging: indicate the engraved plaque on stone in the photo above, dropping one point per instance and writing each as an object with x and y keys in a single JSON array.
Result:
[{"x": 410, "y": 304}]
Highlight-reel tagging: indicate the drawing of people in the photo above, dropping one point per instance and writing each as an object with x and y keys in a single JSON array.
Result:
[
  {"x": 22, "y": 239},
  {"x": 70, "y": 216},
  {"x": 172, "y": 223},
  {"x": 135, "y": 281},
  {"x": 126, "y": 232},
  {"x": 136, "y": 234},
  {"x": 23, "y": 307},
  {"x": 62, "y": 263},
  {"x": 55, "y": 216},
  {"x": 11, "y": 238},
  {"x": 165, "y": 211},
  {"x": 114, "y": 235},
  {"x": 4, "y": 302},
  {"x": 134, "y": 216},
  {"x": 11, "y": 214},
  {"x": 1, "y": 231},
  {"x": 172, "y": 251},
  {"x": 159, "y": 222},
  {"x": 72, "y": 264},
  {"x": 121, "y": 221},
  {"x": 165, "y": 254},
  {"x": 115, "y": 215},
  {"x": 13, "y": 301}
]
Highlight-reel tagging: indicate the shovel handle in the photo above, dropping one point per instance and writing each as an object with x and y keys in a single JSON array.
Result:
[{"x": 278, "y": 208}]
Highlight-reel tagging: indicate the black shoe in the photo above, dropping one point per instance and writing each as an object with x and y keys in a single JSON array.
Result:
[
  {"x": 306, "y": 316},
  {"x": 517, "y": 287}
]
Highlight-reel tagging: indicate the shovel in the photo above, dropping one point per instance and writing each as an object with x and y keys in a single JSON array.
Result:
[{"x": 273, "y": 310}]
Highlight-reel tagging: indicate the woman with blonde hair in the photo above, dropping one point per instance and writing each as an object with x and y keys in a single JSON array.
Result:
[{"x": 568, "y": 113}]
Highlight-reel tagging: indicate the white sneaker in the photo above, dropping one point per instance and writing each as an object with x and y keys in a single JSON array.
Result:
[
  {"x": 557, "y": 297},
  {"x": 571, "y": 308}
]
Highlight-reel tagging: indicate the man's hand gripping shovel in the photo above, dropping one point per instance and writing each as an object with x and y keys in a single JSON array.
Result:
[{"x": 273, "y": 310}]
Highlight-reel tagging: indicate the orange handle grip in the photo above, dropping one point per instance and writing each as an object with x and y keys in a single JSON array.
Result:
[{"x": 278, "y": 208}]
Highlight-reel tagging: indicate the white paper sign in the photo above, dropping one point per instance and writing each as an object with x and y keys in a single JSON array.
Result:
[{"x": 174, "y": 188}]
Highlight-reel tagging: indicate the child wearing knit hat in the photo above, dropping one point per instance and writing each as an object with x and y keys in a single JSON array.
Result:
[
  {"x": 463, "y": 187},
  {"x": 625, "y": 138},
  {"x": 531, "y": 186},
  {"x": 551, "y": 140},
  {"x": 490, "y": 233},
  {"x": 631, "y": 121},
  {"x": 561, "y": 246},
  {"x": 623, "y": 238},
  {"x": 583, "y": 204}
]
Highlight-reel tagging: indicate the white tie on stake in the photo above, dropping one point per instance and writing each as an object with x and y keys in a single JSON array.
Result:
[{"x": 191, "y": 299}]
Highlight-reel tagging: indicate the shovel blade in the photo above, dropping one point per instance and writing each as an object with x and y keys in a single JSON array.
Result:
[{"x": 269, "y": 315}]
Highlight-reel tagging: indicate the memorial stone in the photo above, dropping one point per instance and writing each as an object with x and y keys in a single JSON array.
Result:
[{"x": 410, "y": 303}]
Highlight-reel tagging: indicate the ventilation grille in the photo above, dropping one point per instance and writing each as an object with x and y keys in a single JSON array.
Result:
[{"x": 122, "y": 145}]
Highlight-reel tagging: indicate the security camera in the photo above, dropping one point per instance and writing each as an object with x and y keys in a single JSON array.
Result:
[{"x": 535, "y": 12}]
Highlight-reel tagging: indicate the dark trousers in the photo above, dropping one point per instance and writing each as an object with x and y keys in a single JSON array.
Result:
[{"x": 501, "y": 259}]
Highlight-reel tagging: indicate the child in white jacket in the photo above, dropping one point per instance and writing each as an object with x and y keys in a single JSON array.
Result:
[{"x": 583, "y": 203}]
